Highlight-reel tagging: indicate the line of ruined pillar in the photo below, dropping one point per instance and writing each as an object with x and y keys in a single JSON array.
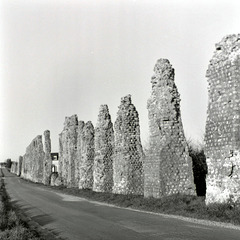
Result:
[{"x": 110, "y": 158}]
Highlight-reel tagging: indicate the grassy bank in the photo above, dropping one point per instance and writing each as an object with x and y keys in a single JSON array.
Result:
[
  {"x": 12, "y": 227},
  {"x": 183, "y": 205}
]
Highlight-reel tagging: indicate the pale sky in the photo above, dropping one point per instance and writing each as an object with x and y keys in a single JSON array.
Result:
[{"x": 59, "y": 58}]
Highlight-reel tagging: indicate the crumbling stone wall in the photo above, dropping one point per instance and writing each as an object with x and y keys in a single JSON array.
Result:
[
  {"x": 47, "y": 163},
  {"x": 68, "y": 151},
  {"x": 19, "y": 167},
  {"x": 14, "y": 167},
  {"x": 32, "y": 167},
  {"x": 87, "y": 155},
  {"x": 76, "y": 153},
  {"x": 128, "y": 153},
  {"x": 222, "y": 138},
  {"x": 104, "y": 147},
  {"x": 80, "y": 159},
  {"x": 168, "y": 167}
]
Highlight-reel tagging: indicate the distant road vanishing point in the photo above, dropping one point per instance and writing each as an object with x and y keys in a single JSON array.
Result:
[{"x": 75, "y": 218}]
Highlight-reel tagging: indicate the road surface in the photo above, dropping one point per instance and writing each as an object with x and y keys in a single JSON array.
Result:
[{"x": 75, "y": 218}]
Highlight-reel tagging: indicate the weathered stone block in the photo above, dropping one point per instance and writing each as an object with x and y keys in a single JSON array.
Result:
[
  {"x": 68, "y": 151},
  {"x": 222, "y": 142},
  {"x": 104, "y": 147},
  {"x": 55, "y": 180},
  {"x": 19, "y": 169},
  {"x": 87, "y": 156},
  {"x": 47, "y": 163},
  {"x": 128, "y": 153},
  {"x": 32, "y": 166},
  {"x": 14, "y": 167},
  {"x": 168, "y": 167},
  {"x": 79, "y": 160}
]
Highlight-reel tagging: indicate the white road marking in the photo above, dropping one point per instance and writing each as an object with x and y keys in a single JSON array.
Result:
[
  {"x": 197, "y": 226},
  {"x": 69, "y": 198}
]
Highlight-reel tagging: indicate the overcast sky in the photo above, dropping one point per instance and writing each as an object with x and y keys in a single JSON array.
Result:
[{"x": 61, "y": 57}]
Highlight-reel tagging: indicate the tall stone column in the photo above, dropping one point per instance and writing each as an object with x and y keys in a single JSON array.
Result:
[
  {"x": 68, "y": 151},
  {"x": 128, "y": 153},
  {"x": 222, "y": 137},
  {"x": 87, "y": 156},
  {"x": 168, "y": 167},
  {"x": 104, "y": 147},
  {"x": 60, "y": 157},
  {"x": 47, "y": 163},
  {"x": 33, "y": 161},
  {"x": 19, "y": 171},
  {"x": 79, "y": 159},
  {"x": 23, "y": 170}
]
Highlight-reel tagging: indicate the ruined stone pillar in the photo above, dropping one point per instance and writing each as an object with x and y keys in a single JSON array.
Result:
[
  {"x": 15, "y": 168},
  {"x": 38, "y": 156},
  {"x": 60, "y": 157},
  {"x": 87, "y": 157},
  {"x": 32, "y": 166},
  {"x": 47, "y": 163},
  {"x": 19, "y": 170},
  {"x": 222, "y": 137},
  {"x": 104, "y": 145},
  {"x": 79, "y": 158},
  {"x": 23, "y": 170},
  {"x": 168, "y": 167},
  {"x": 128, "y": 153},
  {"x": 68, "y": 151}
]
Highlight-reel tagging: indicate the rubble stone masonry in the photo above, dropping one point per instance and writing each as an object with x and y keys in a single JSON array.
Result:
[
  {"x": 19, "y": 168},
  {"x": 68, "y": 151},
  {"x": 32, "y": 166},
  {"x": 86, "y": 152},
  {"x": 168, "y": 167},
  {"x": 222, "y": 138},
  {"x": 47, "y": 163},
  {"x": 104, "y": 147},
  {"x": 14, "y": 167},
  {"x": 128, "y": 153},
  {"x": 79, "y": 160}
]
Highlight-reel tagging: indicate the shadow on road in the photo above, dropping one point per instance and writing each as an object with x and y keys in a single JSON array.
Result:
[
  {"x": 41, "y": 219},
  {"x": 25, "y": 212}
]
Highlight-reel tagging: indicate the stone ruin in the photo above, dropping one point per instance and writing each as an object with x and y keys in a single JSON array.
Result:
[
  {"x": 98, "y": 160},
  {"x": 32, "y": 166},
  {"x": 222, "y": 139},
  {"x": 79, "y": 159},
  {"x": 128, "y": 153},
  {"x": 14, "y": 167},
  {"x": 76, "y": 154},
  {"x": 104, "y": 148},
  {"x": 35, "y": 165},
  {"x": 19, "y": 169},
  {"x": 112, "y": 160},
  {"x": 90, "y": 158},
  {"x": 47, "y": 162},
  {"x": 168, "y": 167},
  {"x": 68, "y": 151},
  {"x": 87, "y": 156}
]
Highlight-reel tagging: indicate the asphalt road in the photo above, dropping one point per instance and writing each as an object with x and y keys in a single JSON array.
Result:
[{"x": 75, "y": 218}]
